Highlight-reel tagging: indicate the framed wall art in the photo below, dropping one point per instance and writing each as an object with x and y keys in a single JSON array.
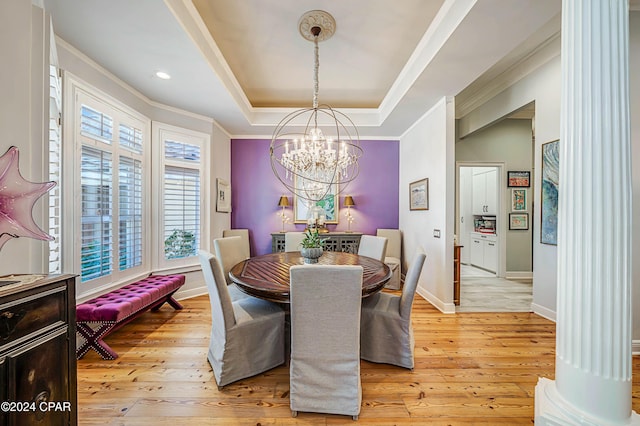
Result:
[
  {"x": 223, "y": 199},
  {"x": 518, "y": 200},
  {"x": 329, "y": 204},
  {"x": 518, "y": 179},
  {"x": 518, "y": 221},
  {"x": 419, "y": 195},
  {"x": 549, "y": 196}
]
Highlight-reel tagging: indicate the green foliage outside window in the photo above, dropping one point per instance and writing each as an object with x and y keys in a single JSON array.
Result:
[{"x": 180, "y": 244}]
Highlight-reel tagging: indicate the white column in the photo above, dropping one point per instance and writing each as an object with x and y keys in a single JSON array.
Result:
[{"x": 593, "y": 342}]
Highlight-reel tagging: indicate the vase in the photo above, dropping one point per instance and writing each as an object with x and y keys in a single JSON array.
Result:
[{"x": 311, "y": 254}]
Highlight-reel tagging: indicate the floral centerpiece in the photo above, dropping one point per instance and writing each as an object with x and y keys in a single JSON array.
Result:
[{"x": 312, "y": 246}]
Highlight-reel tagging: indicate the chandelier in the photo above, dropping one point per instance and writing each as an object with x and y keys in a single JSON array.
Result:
[{"x": 314, "y": 151}]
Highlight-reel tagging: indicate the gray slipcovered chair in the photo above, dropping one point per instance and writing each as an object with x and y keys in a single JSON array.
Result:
[
  {"x": 242, "y": 233},
  {"x": 292, "y": 241},
  {"x": 229, "y": 251},
  {"x": 372, "y": 246},
  {"x": 393, "y": 255},
  {"x": 386, "y": 333},
  {"x": 247, "y": 336},
  {"x": 325, "y": 339}
]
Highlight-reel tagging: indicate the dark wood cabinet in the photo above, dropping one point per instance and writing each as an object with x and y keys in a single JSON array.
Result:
[
  {"x": 346, "y": 242},
  {"x": 37, "y": 352},
  {"x": 456, "y": 275}
]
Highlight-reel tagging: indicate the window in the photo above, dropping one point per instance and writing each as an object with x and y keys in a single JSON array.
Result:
[
  {"x": 110, "y": 181},
  {"x": 113, "y": 234},
  {"x": 181, "y": 224}
]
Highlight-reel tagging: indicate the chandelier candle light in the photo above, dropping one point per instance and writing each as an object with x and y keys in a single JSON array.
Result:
[{"x": 307, "y": 162}]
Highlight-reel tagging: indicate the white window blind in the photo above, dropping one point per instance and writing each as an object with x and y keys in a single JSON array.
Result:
[
  {"x": 55, "y": 161},
  {"x": 130, "y": 213},
  {"x": 112, "y": 245},
  {"x": 97, "y": 222},
  {"x": 181, "y": 194},
  {"x": 96, "y": 124}
]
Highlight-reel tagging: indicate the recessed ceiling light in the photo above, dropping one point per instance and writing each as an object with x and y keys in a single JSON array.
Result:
[{"x": 163, "y": 75}]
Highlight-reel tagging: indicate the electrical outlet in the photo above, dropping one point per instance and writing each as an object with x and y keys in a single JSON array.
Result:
[{"x": 436, "y": 233}]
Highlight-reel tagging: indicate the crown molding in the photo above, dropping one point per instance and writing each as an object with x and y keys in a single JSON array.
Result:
[{"x": 479, "y": 92}]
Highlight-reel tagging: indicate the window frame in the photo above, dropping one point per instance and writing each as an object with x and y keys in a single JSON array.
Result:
[
  {"x": 162, "y": 132},
  {"x": 76, "y": 94}
]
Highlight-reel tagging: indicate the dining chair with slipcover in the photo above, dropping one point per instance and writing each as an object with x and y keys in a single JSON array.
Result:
[
  {"x": 386, "y": 332},
  {"x": 373, "y": 246},
  {"x": 325, "y": 305},
  {"x": 247, "y": 335},
  {"x": 393, "y": 256},
  {"x": 242, "y": 233},
  {"x": 292, "y": 241},
  {"x": 229, "y": 251}
]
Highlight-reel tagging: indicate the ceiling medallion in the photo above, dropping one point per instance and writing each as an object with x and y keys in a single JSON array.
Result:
[{"x": 320, "y": 19}]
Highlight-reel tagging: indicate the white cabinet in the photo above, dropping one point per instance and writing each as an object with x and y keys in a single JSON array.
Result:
[
  {"x": 485, "y": 191},
  {"x": 484, "y": 251}
]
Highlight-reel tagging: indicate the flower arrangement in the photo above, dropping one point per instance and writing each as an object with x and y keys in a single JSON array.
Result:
[{"x": 312, "y": 239}]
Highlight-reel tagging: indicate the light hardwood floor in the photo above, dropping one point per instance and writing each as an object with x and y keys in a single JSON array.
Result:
[
  {"x": 482, "y": 291},
  {"x": 471, "y": 368}
]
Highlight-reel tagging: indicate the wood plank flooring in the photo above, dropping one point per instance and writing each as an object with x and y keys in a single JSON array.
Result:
[{"x": 471, "y": 368}]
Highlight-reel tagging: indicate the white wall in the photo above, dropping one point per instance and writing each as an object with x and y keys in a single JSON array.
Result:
[
  {"x": 542, "y": 86},
  {"x": 24, "y": 49},
  {"x": 427, "y": 151}
]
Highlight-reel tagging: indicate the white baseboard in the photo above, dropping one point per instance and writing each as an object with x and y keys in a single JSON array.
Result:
[
  {"x": 635, "y": 347},
  {"x": 445, "y": 308},
  {"x": 543, "y": 312},
  {"x": 522, "y": 275},
  {"x": 192, "y": 292}
]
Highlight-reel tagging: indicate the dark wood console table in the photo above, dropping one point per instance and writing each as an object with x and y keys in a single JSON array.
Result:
[
  {"x": 347, "y": 242},
  {"x": 38, "y": 350},
  {"x": 267, "y": 276}
]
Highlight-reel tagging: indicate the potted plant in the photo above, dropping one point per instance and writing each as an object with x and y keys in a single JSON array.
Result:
[{"x": 312, "y": 246}]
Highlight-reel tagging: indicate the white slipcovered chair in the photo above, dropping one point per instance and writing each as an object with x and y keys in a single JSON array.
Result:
[
  {"x": 386, "y": 332},
  {"x": 325, "y": 339},
  {"x": 242, "y": 233},
  {"x": 393, "y": 256},
  {"x": 372, "y": 246},
  {"x": 247, "y": 336},
  {"x": 229, "y": 251},
  {"x": 292, "y": 241}
]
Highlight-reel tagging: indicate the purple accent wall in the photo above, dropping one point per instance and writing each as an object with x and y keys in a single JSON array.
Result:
[{"x": 255, "y": 191}]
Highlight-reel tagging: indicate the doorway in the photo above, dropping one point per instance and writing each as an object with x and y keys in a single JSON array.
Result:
[{"x": 496, "y": 266}]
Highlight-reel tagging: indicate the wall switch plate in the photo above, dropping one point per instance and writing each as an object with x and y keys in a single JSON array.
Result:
[{"x": 436, "y": 233}]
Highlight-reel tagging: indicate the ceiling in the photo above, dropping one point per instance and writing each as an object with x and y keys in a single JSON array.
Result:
[{"x": 245, "y": 64}]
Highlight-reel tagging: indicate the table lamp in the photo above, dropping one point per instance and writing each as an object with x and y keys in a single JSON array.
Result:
[
  {"x": 284, "y": 203},
  {"x": 348, "y": 203}
]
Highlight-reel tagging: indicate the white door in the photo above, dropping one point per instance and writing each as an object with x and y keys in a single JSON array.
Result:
[
  {"x": 479, "y": 193},
  {"x": 491, "y": 192},
  {"x": 490, "y": 255}
]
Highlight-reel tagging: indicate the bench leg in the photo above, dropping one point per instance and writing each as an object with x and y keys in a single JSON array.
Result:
[
  {"x": 167, "y": 299},
  {"x": 93, "y": 339}
]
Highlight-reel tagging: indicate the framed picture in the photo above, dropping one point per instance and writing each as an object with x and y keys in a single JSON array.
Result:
[
  {"x": 223, "y": 200},
  {"x": 519, "y": 221},
  {"x": 518, "y": 200},
  {"x": 419, "y": 195},
  {"x": 329, "y": 204},
  {"x": 549, "y": 196},
  {"x": 518, "y": 179}
]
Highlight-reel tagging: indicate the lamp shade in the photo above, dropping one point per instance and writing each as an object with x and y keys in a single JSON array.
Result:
[
  {"x": 284, "y": 202},
  {"x": 348, "y": 201}
]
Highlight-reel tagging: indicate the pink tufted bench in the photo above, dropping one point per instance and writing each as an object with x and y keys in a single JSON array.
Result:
[{"x": 99, "y": 317}]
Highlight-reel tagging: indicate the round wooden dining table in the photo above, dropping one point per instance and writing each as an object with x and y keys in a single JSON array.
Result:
[{"x": 267, "y": 276}]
